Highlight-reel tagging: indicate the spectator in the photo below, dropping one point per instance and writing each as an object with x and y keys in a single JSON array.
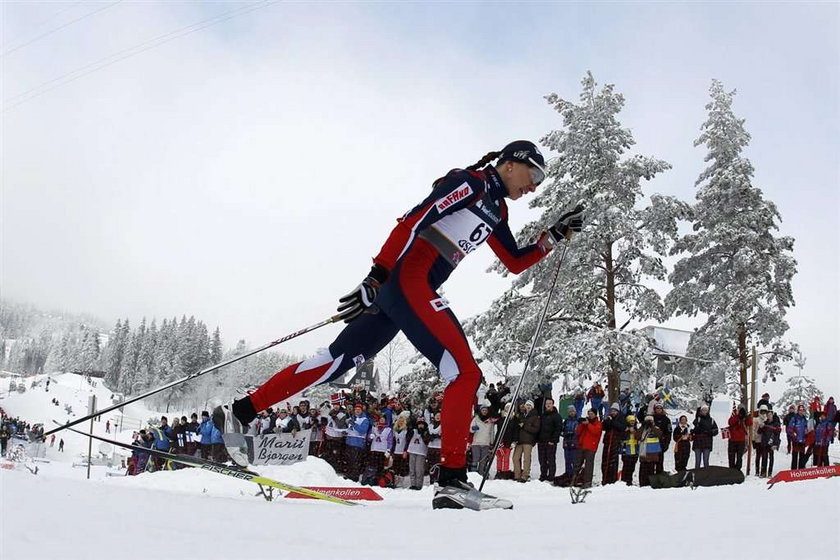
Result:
[
  {"x": 482, "y": 429},
  {"x": 579, "y": 401},
  {"x": 796, "y": 430},
  {"x": 571, "y": 452},
  {"x": 830, "y": 413},
  {"x": 432, "y": 409},
  {"x": 629, "y": 450},
  {"x": 816, "y": 404},
  {"x": 764, "y": 400},
  {"x": 400, "y": 454},
  {"x": 180, "y": 432},
  {"x": 589, "y": 434},
  {"x": 596, "y": 398},
  {"x": 316, "y": 432},
  {"x": 193, "y": 437},
  {"x": 822, "y": 436},
  {"x": 107, "y": 424},
  {"x": 381, "y": 444},
  {"x": 52, "y": 441},
  {"x": 757, "y": 429},
  {"x": 503, "y": 466},
  {"x": 529, "y": 428},
  {"x": 740, "y": 424},
  {"x": 650, "y": 449},
  {"x": 614, "y": 428},
  {"x": 433, "y": 454},
  {"x": 334, "y": 437},
  {"x": 287, "y": 423},
  {"x": 682, "y": 443},
  {"x": 625, "y": 403},
  {"x": 418, "y": 446},
  {"x": 5, "y": 435},
  {"x": 551, "y": 426},
  {"x": 786, "y": 421},
  {"x": 770, "y": 430},
  {"x": 355, "y": 443},
  {"x": 212, "y": 444},
  {"x": 705, "y": 429},
  {"x": 61, "y": 445},
  {"x": 664, "y": 424}
]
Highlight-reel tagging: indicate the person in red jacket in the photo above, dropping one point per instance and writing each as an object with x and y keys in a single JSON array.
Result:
[
  {"x": 589, "y": 434},
  {"x": 739, "y": 426}
]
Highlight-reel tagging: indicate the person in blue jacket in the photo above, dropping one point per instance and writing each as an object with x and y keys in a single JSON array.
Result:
[
  {"x": 212, "y": 444},
  {"x": 356, "y": 442},
  {"x": 796, "y": 430},
  {"x": 571, "y": 452}
]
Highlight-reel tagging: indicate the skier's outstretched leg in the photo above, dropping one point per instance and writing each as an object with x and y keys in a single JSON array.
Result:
[
  {"x": 428, "y": 323},
  {"x": 359, "y": 340}
]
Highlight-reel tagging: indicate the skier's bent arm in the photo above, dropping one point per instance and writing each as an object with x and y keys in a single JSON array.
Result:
[{"x": 516, "y": 259}]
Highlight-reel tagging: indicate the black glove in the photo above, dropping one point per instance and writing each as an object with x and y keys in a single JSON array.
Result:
[
  {"x": 567, "y": 223},
  {"x": 362, "y": 297}
]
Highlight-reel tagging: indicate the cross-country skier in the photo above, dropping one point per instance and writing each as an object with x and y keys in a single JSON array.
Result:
[{"x": 465, "y": 208}]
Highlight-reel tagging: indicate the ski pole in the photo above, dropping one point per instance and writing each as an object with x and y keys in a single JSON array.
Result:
[
  {"x": 333, "y": 319},
  {"x": 515, "y": 394}
]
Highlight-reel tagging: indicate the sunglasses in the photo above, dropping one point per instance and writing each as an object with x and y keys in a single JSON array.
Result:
[{"x": 537, "y": 172}]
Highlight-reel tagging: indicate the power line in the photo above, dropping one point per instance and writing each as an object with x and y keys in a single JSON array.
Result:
[
  {"x": 44, "y": 21},
  {"x": 129, "y": 52},
  {"x": 59, "y": 28}
]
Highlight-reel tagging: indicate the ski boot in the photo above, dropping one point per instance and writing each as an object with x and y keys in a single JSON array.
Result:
[{"x": 453, "y": 491}]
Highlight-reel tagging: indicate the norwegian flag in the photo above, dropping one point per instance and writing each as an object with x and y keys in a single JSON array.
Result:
[{"x": 338, "y": 398}]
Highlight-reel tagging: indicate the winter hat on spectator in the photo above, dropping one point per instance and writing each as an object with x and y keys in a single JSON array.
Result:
[
  {"x": 570, "y": 408},
  {"x": 763, "y": 407},
  {"x": 530, "y": 403},
  {"x": 630, "y": 418},
  {"x": 615, "y": 406},
  {"x": 648, "y": 417}
]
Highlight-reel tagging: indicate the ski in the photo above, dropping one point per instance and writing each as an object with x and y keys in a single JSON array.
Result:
[{"x": 220, "y": 468}]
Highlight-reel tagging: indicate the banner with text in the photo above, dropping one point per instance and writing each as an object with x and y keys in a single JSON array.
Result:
[{"x": 278, "y": 449}]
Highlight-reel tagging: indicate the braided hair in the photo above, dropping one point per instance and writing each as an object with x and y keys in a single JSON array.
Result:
[{"x": 488, "y": 157}]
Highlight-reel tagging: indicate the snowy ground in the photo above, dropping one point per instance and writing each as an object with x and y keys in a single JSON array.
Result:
[{"x": 187, "y": 514}]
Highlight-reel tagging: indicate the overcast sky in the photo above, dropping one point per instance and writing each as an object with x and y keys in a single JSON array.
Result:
[{"x": 247, "y": 172}]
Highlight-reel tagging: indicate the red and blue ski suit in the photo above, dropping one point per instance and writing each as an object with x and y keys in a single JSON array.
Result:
[{"x": 465, "y": 209}]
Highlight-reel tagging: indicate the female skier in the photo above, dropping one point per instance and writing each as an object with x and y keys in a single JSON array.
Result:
[{"x": 465, "y": 208}]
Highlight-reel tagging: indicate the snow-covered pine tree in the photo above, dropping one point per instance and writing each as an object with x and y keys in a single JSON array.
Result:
[
  {"x": 420, "y": 383},
  {"x": 735, "y": 271},
  {"x": 217, "y": 349},
  {"x": 601, "y": 287},
  {"x": 114, "y": 351},
  {"x": 801, "y": 390}
]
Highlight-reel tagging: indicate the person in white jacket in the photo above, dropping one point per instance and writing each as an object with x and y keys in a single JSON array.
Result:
[{"x": 483, "y": 429}]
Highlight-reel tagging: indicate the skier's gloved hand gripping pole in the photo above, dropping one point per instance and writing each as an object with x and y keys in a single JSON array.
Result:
[
  {"x": 567, "y": 225},
  {"x": 333, "y": 319},
  {"x": 361, "y": 298}
]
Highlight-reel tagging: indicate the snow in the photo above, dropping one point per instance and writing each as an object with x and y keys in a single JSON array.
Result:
[{"x": 190, "y": 513}]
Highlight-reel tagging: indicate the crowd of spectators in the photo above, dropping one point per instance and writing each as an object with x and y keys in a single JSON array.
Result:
[
  {"x": 384, "y": 441},
  {"x": 193, "y": 436},
  {"x": 14, "y": 428}
]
